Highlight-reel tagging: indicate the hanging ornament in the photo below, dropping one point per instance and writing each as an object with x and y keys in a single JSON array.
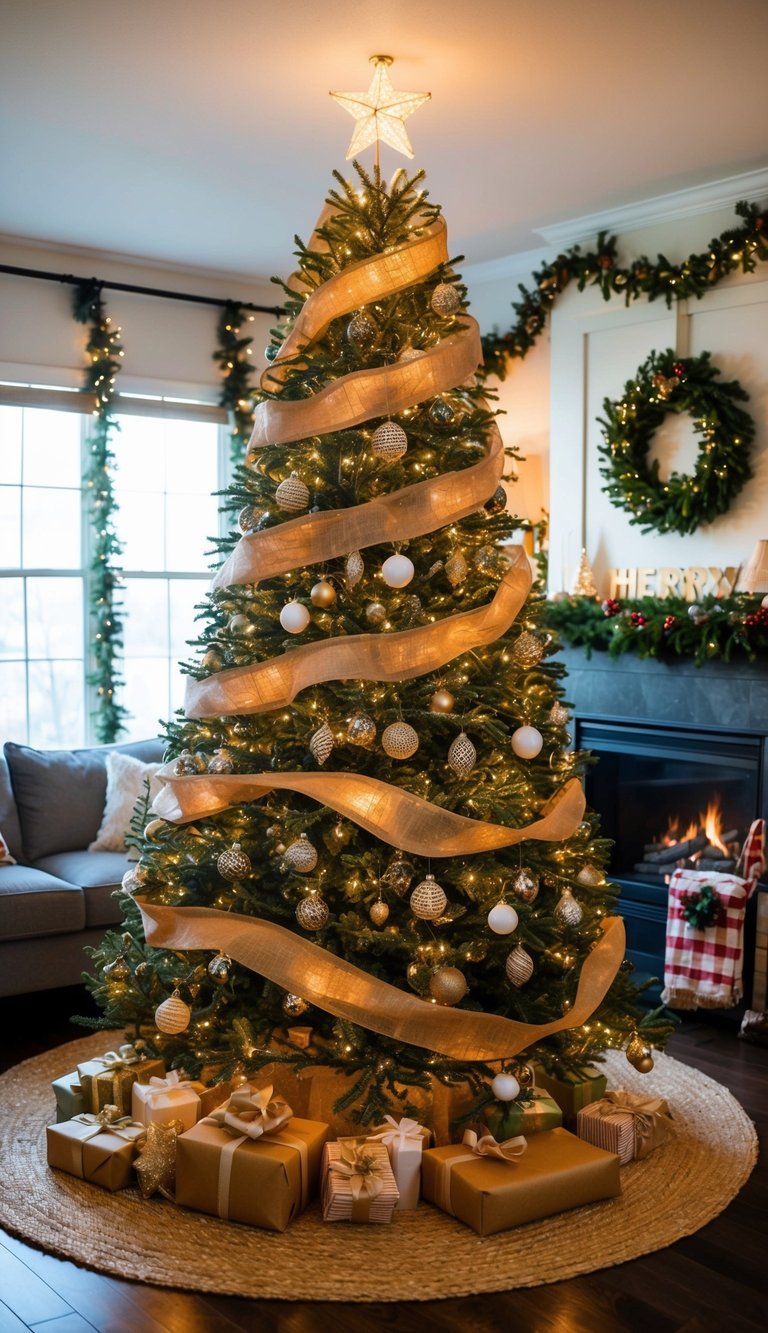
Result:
[
  {"x": 312, "y": 912},
  {"x": 462, "y": 755},
  {"x": 212, "y": 658},
  {"x": 448, "y": 985},
  {"x": 505, "y": 1087},
  {"x": 361, "y": 730},
  {"x": 338, "y": 836},
  {"x": 361, "y": 330},
  {"x": 153, "y": 828},
  {"x": 503, "y": 919},
  {"x": 292, "y": 495},
  {"x": 234, "y": 864},
  {"x": 497, "y": 503},
  {"x": 519, "y": 966},
  {"x": 411, "y": 607},
  {"x": 354, "y": 568},
  {"x": 248, "y": 518},
  {"x": 558, "y": 714},
  {"x": 397, "y": 571},
  {"x": 568, "y": 912},
  {"x": 428, "y": 899},
  {"x": 525, "y": 885},
  {"x": 528, "y": 650},
  {"x": 188, "y": 764},
  {"x": 375, "y": 613},
  {"x": 399, "y": 874},
  {"x": 294, "y": 1005},
  {"x": 489, "y": 561},
  {"x": 301, "y": 855},
  {"x": 456, "y": 568},
  {"x": 442, "y": 701},
  {"x": 589, "y": 875},
  {"x": 399, "y": 740},
  {"x": 173, "y": 1014},
  {"x": 639, "y": 1055},
  {"x": 118, "y": 970},
  {"x": 222, "y": 761},
  {"x": 441, "y": 413},
  {"x": 219, "y": 969},
  {"x": 378, "y": 912},
  {"x": 130, "y": 882},
  {"x": 445, "y": 300},
  {"x": 527, "y": 742},
  {"x": 389, "y": 441},
  {"x": 698, "y": 614},
  {"x": 242, "y": 625},
  {"x": 294, "y": 617},
  {"x": 321, "y": 744},
  {"x": 323, "y": 594}
]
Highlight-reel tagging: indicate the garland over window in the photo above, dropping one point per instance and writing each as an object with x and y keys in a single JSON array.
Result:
[
  {"x": 665, "y": 383},
  {"x": 104, "y": 352},
  {"x": 739, "y": 248}
]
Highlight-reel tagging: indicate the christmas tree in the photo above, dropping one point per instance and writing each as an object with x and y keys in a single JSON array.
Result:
[{"x": 371, "y": 850}]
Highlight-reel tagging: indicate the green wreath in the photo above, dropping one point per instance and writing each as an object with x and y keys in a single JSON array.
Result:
[{"x": 668, "y": 383}]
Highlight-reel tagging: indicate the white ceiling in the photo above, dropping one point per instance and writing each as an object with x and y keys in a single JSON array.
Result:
[{"x": 200, "y": 132}]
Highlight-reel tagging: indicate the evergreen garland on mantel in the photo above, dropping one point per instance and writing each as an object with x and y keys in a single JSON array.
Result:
[{"x": 738, "y": 248}]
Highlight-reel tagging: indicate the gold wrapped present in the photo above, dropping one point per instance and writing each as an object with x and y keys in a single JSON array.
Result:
[
  {"x": 529, "y": 1114},
  {"x": 108, "y": 1079},
  {"x": 176, "y": 1098},
  {"x": 492, "y": 1187},
  {"x": 98, "y": 1148},
  {"x": 69, "y": 1096},
  {"x": 574, "y": 1090},
  {"x": 627, "y": 1123},
  {"x": 250, "y": 1161},
  {"x": 358, "y": 1182},
  {"x": 405, "y": 1141}
]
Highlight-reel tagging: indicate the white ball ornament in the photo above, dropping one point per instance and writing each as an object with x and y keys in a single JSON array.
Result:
[
  {"x": 527, "y": 742},
  {"x": 505, "y": 1087},
  {"x": 503, "y": 919},
  {"x": 397, "y": 571},
  {"x": 294, "y": 617},
  {"x": 173, "y": 1015}
]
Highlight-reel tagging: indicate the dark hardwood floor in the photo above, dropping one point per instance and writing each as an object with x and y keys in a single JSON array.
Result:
[{"x": 714, "y": 1280}]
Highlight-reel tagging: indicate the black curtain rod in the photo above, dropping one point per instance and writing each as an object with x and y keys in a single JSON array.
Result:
[{"x": 140, "y": 291}]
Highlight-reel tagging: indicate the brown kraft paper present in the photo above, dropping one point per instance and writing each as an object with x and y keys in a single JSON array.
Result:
[{"x": 101, "y": 1153}]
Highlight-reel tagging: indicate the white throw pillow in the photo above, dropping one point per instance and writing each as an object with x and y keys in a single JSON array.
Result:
[
  {"x": 125, "y": 785},
  {"x": 5, "y": 856}
]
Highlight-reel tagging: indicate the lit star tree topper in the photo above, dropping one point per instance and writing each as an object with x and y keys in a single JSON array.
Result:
[{"x": 380, "y": 112}]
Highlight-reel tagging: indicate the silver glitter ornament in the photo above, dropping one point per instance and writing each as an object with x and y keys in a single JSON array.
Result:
[
  {"x": 525, "y": 885},
  {"x": 589, "y": 875},
  {"x": 399, "y": 875},
  {"x": 294, "y": 1005},
  {"x": 568, "y": 911},
  {"x": 445, "y": 300},
  {"x": 428, "y": 900},
  {"x": 558, "y": 714},
  {"x": 462, "y": 755},
  {"x": 219, "y": 969},
  {"x": 188, "y": 764},
  {"x": 497, "y": 503},
  {"x": 399, "y": 740},
  {"x": 441, "y": 413},
  {"x": 519, "y": 966},
  {"x": 375, "y": 613},
  {"x": 361, "y": 329},
  {"x": 321, "y": 744},
  {"x": 354, "y": 568},
  {"x": 312, "y": 912},
  {"x": 233, "y": 864},
  {"x": 389, "y": 441},
  {"x": 361, "y": 730},
  {"x": 221, "y": 761},
  {"x": 301, "y": 855},
  {"x": 292, "y": 495},
  {"x": 456, "y": 568},
  {"x": 248, "y": 518}
]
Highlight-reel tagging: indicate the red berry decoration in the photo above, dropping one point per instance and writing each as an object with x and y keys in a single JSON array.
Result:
[
  {"x": 758, "y": 619},
  {"x": 669, "y": 621},
  {"x": 637, "y": 619},
  {"x": 610, "y": 607},
  {"x": 678, "y": 369}
]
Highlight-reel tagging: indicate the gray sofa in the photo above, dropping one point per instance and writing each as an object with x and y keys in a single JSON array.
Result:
[{"x": 59, "y": 897}]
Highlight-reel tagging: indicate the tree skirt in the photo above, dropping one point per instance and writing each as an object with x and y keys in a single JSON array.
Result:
[{"x": 423, "y": 1255}]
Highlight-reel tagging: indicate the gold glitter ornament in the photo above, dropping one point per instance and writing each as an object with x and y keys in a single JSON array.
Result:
[
  {"x": 568, "y": 911},
  {"x": 445, "y": 300},
  {"x": 361, "y": 730},
  {"x": 389, "y": 441},
  {"x": 525, "y": 885},
  {"x": 321, "y": 744},
  {"x": 378, "y": 912},
  {"x": 312, "y": 912},
  {"x": 155, "y": 1164},
  {"x": 294, "y": 1005},
  {"x": 528, "y": 650},
  {"x": 456, "y": 568},
  {"x": 448, "y": 985},
  {"x": 462, "y": 755},
  {"x": 589, "y": 875},
  {"x": 519, "y": 966},
  {"x": 354, "y": 568},
  {"x": 301, "y": 855},
  {"x": 323, "y": 594},
  {"x": 428, "y": 900},
  {"x": 399, "y": 740},
  {"x": 292, "y": 495},
  {"x": 375, "y": 613},
  {"x": 361, "y": 329},
  {"x": 233, "y": 864},
  {"x": 173, "y": 1015},
  {"x": 442, "y": 701},
  {"x": 558, "y": 714}
]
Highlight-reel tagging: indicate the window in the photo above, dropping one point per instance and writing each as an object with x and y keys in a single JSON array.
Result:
[{"x": 166, "y": 471}]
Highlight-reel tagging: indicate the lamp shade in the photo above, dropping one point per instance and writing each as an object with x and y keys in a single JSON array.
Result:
[{"x": 754, "y": 575}]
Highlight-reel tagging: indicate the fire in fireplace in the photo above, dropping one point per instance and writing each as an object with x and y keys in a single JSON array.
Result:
[{"x": 703, "y": 845}]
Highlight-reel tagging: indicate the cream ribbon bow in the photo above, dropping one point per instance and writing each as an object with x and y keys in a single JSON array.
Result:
[
  {"x": 486, "y": 1146},
  {"x": 251, "y": 1112},
  {"x": 158, "y": 1086},
  {"x": 125, "y": 1055},
  {"x": 648, "y": 1113},
  {"x": 399, "y": 1132},
  {"x": 361, "y": 1169},
  {"x": 110, "y": 1119}
]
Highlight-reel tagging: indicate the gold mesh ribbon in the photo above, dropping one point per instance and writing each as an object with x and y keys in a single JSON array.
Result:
[
  {"x": 371, "y": 393},
  {"x": 400, "y": 656},
  {"x": 410, "y": 512},
  {"x": 341, "y": 989},
  {"x": 389, "y": 813}
]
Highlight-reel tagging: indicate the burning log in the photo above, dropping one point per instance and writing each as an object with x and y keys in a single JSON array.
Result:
[
  {"x": 722, "y": 865},
  {"x": 679, "y": 851}
]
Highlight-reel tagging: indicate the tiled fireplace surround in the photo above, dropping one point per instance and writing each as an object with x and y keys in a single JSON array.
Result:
[{"x": 717, "y": 700}]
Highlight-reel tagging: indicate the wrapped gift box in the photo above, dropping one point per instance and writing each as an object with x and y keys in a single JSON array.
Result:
[
  {"x": 251, "y": 1161},
  {"x": 627, "y": 1123},
  {"x": 108, "y": 1079},
  {"x": 90, "y": 1147},
  {"x": 175, "y": 1098},
  {"x": 358, "y": 1182},
  {"x": 69, "y": 1097},
  {"x": 405, "y": 1141},
  {"x": 555, "y": 1172},
  {"x": 528, "y": 1115},
  {"x": 573, "y": 1091}
]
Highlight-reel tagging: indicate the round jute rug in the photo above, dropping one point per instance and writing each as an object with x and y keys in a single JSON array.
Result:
[{"x": 422, "y": 1255}]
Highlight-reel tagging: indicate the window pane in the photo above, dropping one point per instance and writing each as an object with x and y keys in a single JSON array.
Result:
[
  {"x": 185, "y": 596},
  {"x": 51, "y": 448},
  {"x": 10, "y": 527},
  {"x": 139, "y": 449},
  {"x": 192, "y": 520},
  {"x": 51, "y": 529},
  {"x": 55, "y": 617},
  {"x": 145, "y": 632},
  {"x": 140, "y": 525},
  {"x": 192, "y": 458},
  {"x": 145, "y": 696},
  {"x": 10, "y": 444},
  {"x": 12, "y": 618},
  {"x": 56, "y": 714},
  {"x": 13, "y": 702}
]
